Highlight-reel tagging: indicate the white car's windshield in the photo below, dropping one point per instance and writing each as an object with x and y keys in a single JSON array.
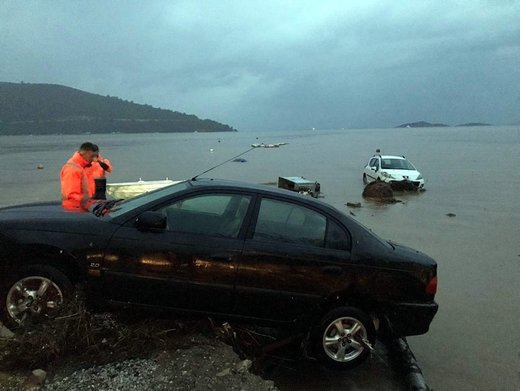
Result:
[{"x": 396, "y": 164}]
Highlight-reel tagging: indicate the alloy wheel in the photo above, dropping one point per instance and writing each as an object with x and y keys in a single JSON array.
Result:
[
  {"x": 32, "y": 296},
  {"x": 343, "y": 339}
]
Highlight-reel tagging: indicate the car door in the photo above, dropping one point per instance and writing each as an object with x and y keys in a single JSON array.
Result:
[
  {"x": 372, "y": 169},
  {"x": 189, "y": 264},
  {"x": 293, "y": 258}
]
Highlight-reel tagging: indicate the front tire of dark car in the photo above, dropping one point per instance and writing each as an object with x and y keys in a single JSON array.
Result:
[
  {"x": 33, "y": 294},
  {"x": 343, "y": 338}
]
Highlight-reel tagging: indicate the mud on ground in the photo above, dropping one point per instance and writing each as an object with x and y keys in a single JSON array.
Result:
[{"x": 81, "y": 350}]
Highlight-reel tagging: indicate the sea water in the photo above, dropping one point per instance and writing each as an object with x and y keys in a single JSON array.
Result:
[{"x": 471, "y": 173}]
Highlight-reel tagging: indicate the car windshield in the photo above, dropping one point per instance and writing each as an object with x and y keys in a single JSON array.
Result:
[
  {"x": 135, "y": 202},
  {"x": 396, "y": 164}
]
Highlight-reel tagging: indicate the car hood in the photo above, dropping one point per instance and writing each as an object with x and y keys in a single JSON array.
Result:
[
  {"x": 49, "y": 216},
  {"x": 403, "y": 174}
]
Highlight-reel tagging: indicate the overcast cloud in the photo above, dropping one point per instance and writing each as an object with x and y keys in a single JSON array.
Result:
[{"x": 267, "y": 65}]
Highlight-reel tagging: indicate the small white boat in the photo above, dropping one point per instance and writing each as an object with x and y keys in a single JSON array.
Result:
[
  {"x": 263, "y": 145},
  {"x": 131, "y": 189}
]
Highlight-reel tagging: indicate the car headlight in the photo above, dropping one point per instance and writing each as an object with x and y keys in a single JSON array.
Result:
[
  {"x": 387, "y": 175},
  {"x": 419, "y": 177}
]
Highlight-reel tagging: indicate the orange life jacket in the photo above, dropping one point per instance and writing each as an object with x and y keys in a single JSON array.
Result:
[{"x": 74, "y": 186}]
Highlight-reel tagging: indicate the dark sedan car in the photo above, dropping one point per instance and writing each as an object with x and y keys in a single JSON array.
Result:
[{"x": 226, "y": 249}]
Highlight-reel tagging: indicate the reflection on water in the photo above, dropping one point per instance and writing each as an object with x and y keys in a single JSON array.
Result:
[{"x": 469, "y": 172}]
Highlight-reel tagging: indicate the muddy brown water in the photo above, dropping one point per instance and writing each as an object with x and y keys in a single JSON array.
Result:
[{"x": 467, "y": 219}]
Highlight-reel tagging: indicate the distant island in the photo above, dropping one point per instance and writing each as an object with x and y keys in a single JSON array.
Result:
[
  {"x": 474, "y": 124},
  {"x": 27, "y": 108},
  {"x": 424, "y": 124},
  {"x": 420, "y": 124}
]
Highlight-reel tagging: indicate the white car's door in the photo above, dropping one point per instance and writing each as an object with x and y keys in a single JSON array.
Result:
[{"x": 372, "y": 169}]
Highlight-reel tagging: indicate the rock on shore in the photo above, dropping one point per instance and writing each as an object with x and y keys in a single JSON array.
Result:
[
  {"x": 5, "y": 332},
  {"x": 378, "y": 190}
]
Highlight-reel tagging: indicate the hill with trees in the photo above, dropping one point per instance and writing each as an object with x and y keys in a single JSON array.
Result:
[
  {"x": 470, "y": 124},
  {"x": 27, "y": 108}
]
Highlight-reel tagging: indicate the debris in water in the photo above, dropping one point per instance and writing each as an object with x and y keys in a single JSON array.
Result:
[
  {"x": 264, "y": 145},
  {"x": 300, "y": 185}
]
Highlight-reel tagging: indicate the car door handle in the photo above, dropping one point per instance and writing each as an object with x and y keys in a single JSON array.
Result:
[
  {"x": 332, "y": 269},
  {"x": 222, "y": 258}
]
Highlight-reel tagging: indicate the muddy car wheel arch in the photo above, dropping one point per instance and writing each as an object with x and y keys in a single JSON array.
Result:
[
  {"x": 344, "y": 337},
  {"x": 33, "y": 292}
]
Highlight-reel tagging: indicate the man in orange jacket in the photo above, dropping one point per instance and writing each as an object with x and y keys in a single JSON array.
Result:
[
  {"x": 98, "y": 169},
  {"x": 74, "y": 181}
]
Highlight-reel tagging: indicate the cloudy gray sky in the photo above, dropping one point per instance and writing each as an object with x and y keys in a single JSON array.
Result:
[{"x": 267, "y": 65}]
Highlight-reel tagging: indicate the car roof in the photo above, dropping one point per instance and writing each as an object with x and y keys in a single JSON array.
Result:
[
  {"x": 209, "y": 183},
  {"x": 391, "y": 157},
  {"x": 213, "y": 182},
  {"x": 226, "y": 183}
]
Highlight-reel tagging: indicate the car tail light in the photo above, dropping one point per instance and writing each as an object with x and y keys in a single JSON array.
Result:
[{"x": 431, "y": 288}]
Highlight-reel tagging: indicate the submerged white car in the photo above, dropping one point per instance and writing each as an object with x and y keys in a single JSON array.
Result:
[{"x": 396, "y": 170}]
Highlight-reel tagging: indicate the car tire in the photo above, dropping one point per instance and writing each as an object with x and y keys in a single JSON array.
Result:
[
  {"x": 32, "y": 295},
  {"x": 365, "y": 180},
  {"x": 343, "y": 337}
]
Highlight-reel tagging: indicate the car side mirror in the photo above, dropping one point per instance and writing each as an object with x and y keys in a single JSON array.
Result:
[{"x": 151, "y": 221}]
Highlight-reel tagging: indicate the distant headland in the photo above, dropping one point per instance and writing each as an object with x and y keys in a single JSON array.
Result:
[
  {"x": 27, "y": 108},
  {"x": 424, "y": 124}
]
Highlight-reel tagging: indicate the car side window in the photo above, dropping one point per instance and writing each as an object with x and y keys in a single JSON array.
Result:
[
  {"x": 209, "y": 214},
  {"x": 337, "y": 238},
  {"x": 374, "y": 162},
  {"x": 286, "y": 222}
]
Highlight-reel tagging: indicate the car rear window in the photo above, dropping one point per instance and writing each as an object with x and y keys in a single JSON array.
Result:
[
  {"x": 337, "y": 238},
  {"x": 286, "y": 222}
]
